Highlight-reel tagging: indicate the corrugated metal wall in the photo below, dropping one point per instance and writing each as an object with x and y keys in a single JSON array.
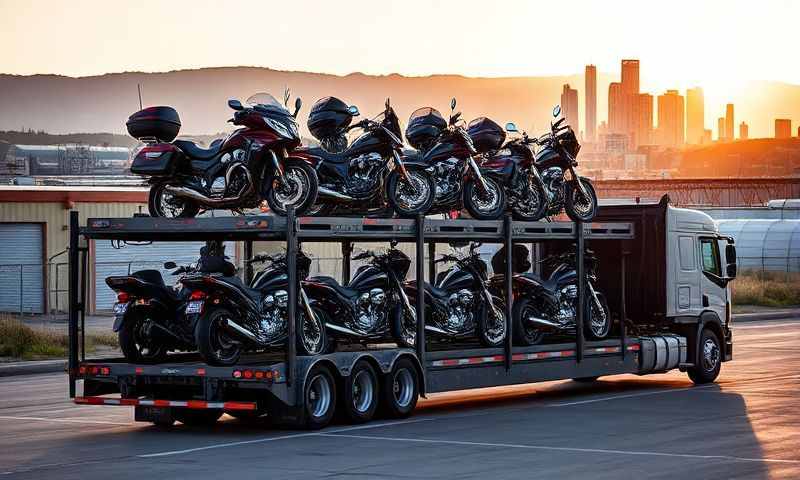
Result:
[{"x": 21, "y": 268}]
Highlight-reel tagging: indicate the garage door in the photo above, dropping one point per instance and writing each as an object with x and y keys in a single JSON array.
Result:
[
  {"x": 21, "y": 267},
  {"x": 130, "y": 258}
]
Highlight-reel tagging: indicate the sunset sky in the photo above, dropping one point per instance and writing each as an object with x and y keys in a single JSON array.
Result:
[{"x": 717, "y": 44}]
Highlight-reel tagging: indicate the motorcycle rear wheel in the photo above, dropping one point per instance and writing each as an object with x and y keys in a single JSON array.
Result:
[
  {"x": 485, "y": 206},
  {"x": 302, "y": 185},
  {"x": 163, "y": 204},
  {"x": 402, "y": 201},
  {"x": 525, "y": 334},
  {"x": 136, "y": 346},
  {"x": 216, "y": 346}
]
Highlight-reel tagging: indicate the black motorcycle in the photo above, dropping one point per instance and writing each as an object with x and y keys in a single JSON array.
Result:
[
  {"x": 556, "y": 155},
  {"x": 366, "y": 308},
  {"x": 449, "y": 157},
  {"x": 362, "y": 177},
  {"x": 550, "y": 305},
  {"x": 460, "y": 305},
  {"x": 232, "y": 317}
]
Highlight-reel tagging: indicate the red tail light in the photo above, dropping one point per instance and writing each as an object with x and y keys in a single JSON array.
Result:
[
  {"x": 198, "y": 295},
  {"x": 123, "y": 297}
]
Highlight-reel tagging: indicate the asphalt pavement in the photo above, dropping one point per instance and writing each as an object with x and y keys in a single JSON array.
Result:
[{"x": 747, "y": 425}]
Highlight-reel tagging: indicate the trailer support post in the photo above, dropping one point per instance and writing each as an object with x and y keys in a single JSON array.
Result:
[
  {"x": 73, "y": 299},
  {"x": 420, "y": 300},
  {"x": 84, "y": 287},
  {"x": 581, "y": 273},
  {"x": 509, "y": 273},
  {"x": 622, "y": 312},
  {"x": 248, "y": 267},
  {"x": 291, "y": 255},
  {"x": 431, "y": 263},
  {"x": 347, "y": 250}
]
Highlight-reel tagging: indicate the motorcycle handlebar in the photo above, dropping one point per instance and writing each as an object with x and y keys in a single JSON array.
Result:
[{"x": 362, "y": 256}]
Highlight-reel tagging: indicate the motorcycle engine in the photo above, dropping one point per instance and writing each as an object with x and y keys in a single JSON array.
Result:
[
  {"x": 447, "y": 175},
  {"x": 459, "y": 310},
  {"x": 363, "y": 172},
  {"x": 371, "y": 310},
  {"x": 566, "y": 303},
  {"x": 273, "y": 314}
]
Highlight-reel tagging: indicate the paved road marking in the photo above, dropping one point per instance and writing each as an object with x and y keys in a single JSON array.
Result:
[
  {"x": 763, "y": 326},
  {"x": 65, "y": 420},
  {"x": 562, "y": 449}
]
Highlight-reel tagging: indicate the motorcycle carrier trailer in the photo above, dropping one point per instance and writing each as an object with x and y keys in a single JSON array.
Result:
[{"x": 274, "y": 383}]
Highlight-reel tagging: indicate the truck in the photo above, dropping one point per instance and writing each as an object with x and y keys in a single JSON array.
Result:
[{"x": 665, "y": 272}]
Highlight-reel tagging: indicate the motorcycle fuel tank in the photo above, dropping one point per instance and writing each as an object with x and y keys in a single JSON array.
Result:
[{"x": 368, "y": 277}]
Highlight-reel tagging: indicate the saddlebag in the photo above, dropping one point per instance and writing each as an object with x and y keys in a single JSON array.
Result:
[{"x": 156, "y": 159}]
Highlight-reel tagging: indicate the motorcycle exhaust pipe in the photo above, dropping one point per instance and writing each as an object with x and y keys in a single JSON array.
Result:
[
  {"x": 244, "y": 332},
  {"x": 430, "y": 328},
  {"x": 541, "y": 322},
  {"x": 192, "y": 194},
  {"x": 341, "y": 329},
  {"x": 326, "y": 192}
]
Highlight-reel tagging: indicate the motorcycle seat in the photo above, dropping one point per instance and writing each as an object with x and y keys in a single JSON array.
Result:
[
  {"x": 333, "y": 284},
  {"x": 328, "y": 156},
  {"x": 194, "y": 151}
]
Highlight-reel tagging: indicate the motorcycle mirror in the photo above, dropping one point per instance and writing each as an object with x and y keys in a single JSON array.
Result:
[
  {"x": 556, "y": 110},
  {"x": 453, "y": 103},
  {"x": 353, "y": 111},
  {"x": 235, "y": 104},
  {"x": 393, "y": 243},
  {"x": 297, "y": 104},
  {"x": 286, "y": 94},
  {"x": 169, "y": 265},
  {"x": 387, "y": 103},
  {"x": 510, "y": 127}
]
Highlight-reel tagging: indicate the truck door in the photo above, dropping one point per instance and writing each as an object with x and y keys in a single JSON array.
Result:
[
  {"x": 713, "y": 288},
  {"x": 687, "y": 287}
]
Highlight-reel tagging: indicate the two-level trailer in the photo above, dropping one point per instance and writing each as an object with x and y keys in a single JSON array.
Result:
[{"x": 664, "y": 270}]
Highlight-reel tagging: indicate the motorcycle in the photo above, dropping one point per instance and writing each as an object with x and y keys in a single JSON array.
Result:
[
  {"x": 231, "y": 317},
  {"x": 367, "y": 307},
  {"x": 459, "y": 181},
  {"x": 460, "y": 305},
  {"x": 238, "y": 172},
  {"x": 556, "y": 155},
  {"x": 543, "y": 306},
  {"x": 362, "y": 177}
]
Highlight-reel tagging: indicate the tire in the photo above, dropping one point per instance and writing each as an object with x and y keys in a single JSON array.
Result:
[
  {"x": 312, "y": 339},
  {"x": 158, "y": 199},
  {"x": 302, "y": 190},
  {"x": 319, "y": 395},
  {"x": 197, "y": 418},
  {"x": 579, "y": 212},
  {"x": 486, "y": 322},
  {"x": 602, "y": 330},
  {"x": 360, "y": 397},
  {"x": 422, "y": 181},
  {"x": 708, "y": 362},
  {"x": 473, "y": 200},
  {"x": 525, "y": 334},
  {"x": 136, "y": 345},
  {"x": 404, "y": 328},
  {"x": 585, "y": 379},
  {"x": 400, "y": 390},
  {"x": 214, "y": 344},
  {"x": 531, "y": 213}
]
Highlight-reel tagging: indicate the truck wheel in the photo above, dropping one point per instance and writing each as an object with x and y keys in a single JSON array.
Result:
[
  {"x": 525, "y": 333},
  {"x": 360, "y": 393},
  {"x": 709, "y": 359},
  {"x": 135, "y": 341},
  {"x": 320, "y": 398},
  {"x": 197, "y": 418},
  {"x": 214, "y": 343},
  {"x": 400, "y": 390}
]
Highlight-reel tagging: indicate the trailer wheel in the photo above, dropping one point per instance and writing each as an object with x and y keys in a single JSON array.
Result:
[
  {"x": 400, "y": 390},
  {"x": 709, "y": 359},
  {"x": 197, "y": 418},
  {"x": 320, "y": 398},
  {"x": 360, "y": 396}
]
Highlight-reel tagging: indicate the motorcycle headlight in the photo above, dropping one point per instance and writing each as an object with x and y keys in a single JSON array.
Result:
[{"x": 286, "y": 130}]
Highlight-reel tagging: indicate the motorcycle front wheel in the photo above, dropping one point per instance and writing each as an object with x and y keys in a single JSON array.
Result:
[
  {"x": 161, "y": 203},
  {"x": 216, "y": 345},
  {"x": 411, "y": 196},
  {"x": 488, "y": 205},
  {"x": 580, "y": 208},
  {"x": 598, "y": 325},
  {"x": 404, "y": 327},
  {"x": 492, "y": 326},
  {"x": 312, "y": 339},
  {"x": 531, "y": 208},
  {"x": 299, "y": 189}
]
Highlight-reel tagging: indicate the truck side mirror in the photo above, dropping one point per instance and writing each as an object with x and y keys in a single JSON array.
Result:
[
  {"x": 730, "y": 271},
  {"x": 730, "y": 257}
]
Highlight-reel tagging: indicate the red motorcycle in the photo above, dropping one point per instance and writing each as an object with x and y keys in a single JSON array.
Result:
[{"x": 237, "y": 172}]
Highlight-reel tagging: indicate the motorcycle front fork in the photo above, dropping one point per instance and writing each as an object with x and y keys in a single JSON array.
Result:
[{"x": 478, "y": 176}]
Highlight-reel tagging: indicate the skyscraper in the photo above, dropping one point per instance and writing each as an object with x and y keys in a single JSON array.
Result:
[
  {"x": 616, "y": 109},
  {"x": 695, "y": 115},
  {"x": 783, "y": 128},
  {"x": 630, "y": 76},
  {"x": 590, "y": 77},
  {"x": 630, "y": 100},
  {"x": 671, "y": 119},
  {"x": 729, "y": 122},
  {"x": 643, "y": 127},
  {"x": 721, "y": 129},
  {"x": 569, "y": 104},
  {"x": 744, "y": 131}
]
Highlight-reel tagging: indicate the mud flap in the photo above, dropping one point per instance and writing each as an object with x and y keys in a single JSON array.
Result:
[{"x": 157, "y": 415}]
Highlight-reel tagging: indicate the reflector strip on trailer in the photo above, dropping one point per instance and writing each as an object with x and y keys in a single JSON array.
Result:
[
  {"x": 193, "y": 404},
  {"x": 453, "y": 362},
  {"x": 541, "y": 355}
]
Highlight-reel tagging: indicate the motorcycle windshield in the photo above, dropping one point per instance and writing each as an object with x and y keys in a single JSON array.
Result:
[{"x": 267, "y": 102}]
